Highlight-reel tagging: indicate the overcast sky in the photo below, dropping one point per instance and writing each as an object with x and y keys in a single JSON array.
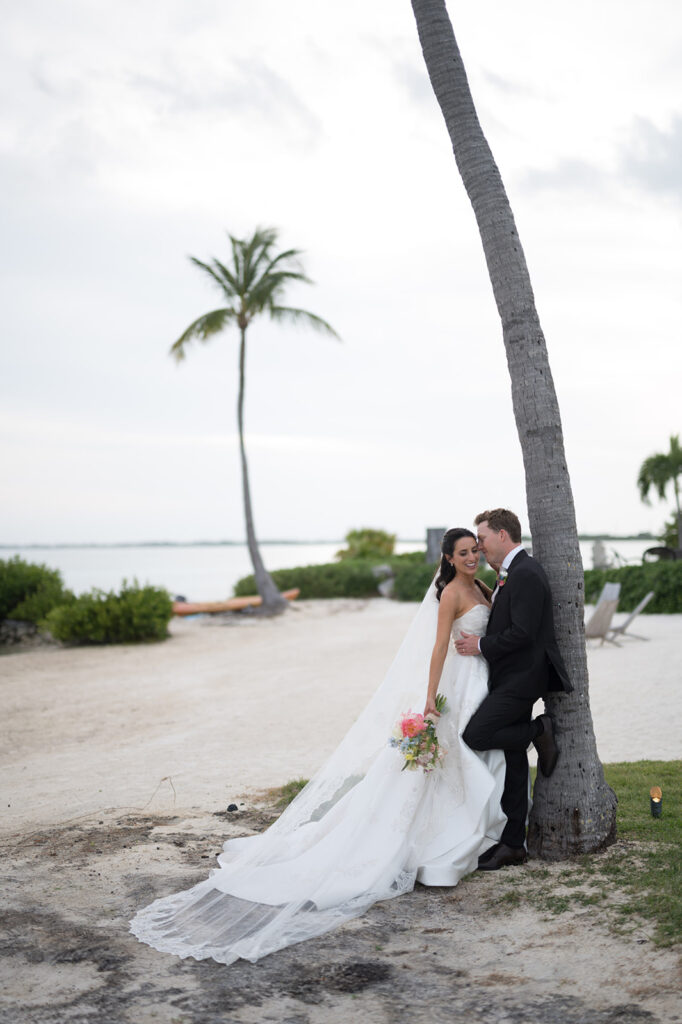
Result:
[{"x": 134, "y": 134}]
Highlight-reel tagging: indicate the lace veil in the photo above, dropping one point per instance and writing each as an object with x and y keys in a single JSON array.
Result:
[{"x": 320, "y": 863}]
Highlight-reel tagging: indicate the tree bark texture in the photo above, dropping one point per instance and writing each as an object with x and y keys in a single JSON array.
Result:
[
  {"x": 573, "y": 811},
  {"x": 273, "y": 602}
]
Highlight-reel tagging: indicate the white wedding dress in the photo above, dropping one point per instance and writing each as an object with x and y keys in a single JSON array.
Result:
[{"x": 362, "y": 830}]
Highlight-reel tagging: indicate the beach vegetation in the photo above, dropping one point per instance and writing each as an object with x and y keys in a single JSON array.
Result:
[
  {"x": 29, "y": 591},
  {"x": 657, "y": 473},
  {"x": 134, "y": 614},
  {"x": 350, "y": 578},
  {"x": 333, "y": 579},
  {"x": 664, "y": 578},
  {"x": 253, "y": 283},
  {"x": 368, "y": 544},
  {"x": 574, "y": 811},
  {"x": 282, "y": 796},
  {"x": 670, "y": 536}
]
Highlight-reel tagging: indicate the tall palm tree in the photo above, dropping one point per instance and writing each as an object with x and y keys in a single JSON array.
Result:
[
  {"x": 253, "y": 285},
  {"x": 574, "y": 811},
  {"x": 658, "y": 471}
]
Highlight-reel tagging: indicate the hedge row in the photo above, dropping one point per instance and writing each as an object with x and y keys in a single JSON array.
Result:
[
  {"x": 413, "y": 576},
  {"x": 664, "y": 578},
  {"x": 136, "y": 613},
  {"x": 355, "y": 578},
  {"x": 336, "y": 579}
]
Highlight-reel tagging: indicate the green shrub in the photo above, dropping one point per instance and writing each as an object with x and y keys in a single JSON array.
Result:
[
  {"x": 670, "y": 537},
  {"x": 412, "y": 580},
  {"x": 372, "y": 545},
  {"x": 342, "y": 579},
  {"x": 29, "y": 591},
  {"x": 664, "y": 578},
  {"x": 137, "y": 613}
]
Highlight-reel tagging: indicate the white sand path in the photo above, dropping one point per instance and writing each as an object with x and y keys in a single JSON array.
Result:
[{"x": 221, "y": 711}]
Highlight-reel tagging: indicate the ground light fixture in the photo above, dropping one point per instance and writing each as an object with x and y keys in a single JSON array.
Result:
[{"x": 656, "y": 801}]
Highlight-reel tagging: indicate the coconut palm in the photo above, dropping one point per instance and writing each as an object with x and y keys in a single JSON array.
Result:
[
  {"x": 574, "y": 811},
  {"x": 658, "y": 471},
  {"x": 253, "y": 285}
]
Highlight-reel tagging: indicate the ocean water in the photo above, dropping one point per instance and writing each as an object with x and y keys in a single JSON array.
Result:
[{"x": 208, "y": 573}]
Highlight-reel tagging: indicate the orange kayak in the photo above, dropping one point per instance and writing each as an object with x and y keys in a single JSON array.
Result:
[{"x": 232, "y": 604}]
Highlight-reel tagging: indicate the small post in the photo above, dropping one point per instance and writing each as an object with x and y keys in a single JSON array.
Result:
[
  {"x": 656, "y": 801},
  {"x": 434, "y": 536}
]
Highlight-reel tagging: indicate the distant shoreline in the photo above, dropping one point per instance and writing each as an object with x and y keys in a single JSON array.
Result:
[{"x": 265, "y": 543}]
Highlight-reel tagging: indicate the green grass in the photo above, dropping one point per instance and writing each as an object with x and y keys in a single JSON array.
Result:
[
  {"x": 283, "y": 795},
  {"x": 640, "y": 877},
  {"x": 649, "y": 871}
]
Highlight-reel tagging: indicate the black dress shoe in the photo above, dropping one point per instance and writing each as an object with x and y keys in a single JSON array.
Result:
[
  {"x": 504, "y": 856},
  {"x": 488, "y": 854},
  {"x": 545, "y": 744}
]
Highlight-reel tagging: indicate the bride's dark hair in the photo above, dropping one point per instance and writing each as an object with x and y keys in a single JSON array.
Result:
[{"x": 447, "y": 572}]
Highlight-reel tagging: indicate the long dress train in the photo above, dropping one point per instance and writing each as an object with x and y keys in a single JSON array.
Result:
[{"x": 362, "y": 830}]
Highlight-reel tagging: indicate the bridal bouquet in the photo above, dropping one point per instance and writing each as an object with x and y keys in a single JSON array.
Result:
[{"x": 415, "y": 737}]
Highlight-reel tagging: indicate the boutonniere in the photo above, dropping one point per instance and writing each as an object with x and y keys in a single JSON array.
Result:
[{"x": 502, "y": 577}]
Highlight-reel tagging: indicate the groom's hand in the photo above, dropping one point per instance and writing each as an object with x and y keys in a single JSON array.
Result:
[{"x": 467, "y": 644}]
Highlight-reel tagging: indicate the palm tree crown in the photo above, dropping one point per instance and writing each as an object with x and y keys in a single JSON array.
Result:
[
  {"x": 661, "y": 469},
  {"x": 253, "y": 285}
]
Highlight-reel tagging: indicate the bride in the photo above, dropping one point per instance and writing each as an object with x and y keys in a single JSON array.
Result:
[{"x": 362, "y": 830}]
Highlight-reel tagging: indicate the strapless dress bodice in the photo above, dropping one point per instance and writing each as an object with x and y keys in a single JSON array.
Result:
[{"x": 473, "y": 621}]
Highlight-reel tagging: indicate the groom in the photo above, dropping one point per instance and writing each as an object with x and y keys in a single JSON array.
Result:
[{"x": 524, "y": 661}]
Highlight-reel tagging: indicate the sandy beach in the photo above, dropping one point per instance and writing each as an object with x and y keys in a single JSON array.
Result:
[
  {"x": 171, "y": 726},
  {"x": 118, "y": 764}
]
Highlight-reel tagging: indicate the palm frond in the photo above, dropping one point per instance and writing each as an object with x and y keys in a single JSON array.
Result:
[
  {"x": 203, "y": 328},
  {"x": 237, "y": 260},
  {"x": 255, "y": 251},
  {"x": 289, "y": 254},
  {"x": 266, "y": 290},
  {"x": 229, "y": 276},
  {"x": 224, "y": 284},
  {"x": 295, "y": 316}
]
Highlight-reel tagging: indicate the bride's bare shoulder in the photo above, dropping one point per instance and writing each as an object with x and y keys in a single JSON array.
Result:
[{"x": 453, "y": 594}]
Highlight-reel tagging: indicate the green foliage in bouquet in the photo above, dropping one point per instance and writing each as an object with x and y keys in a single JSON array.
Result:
[
  {"x": 664, "y": 578},
  {"x": 136, "y": 613},
  {"x": 371, "y": 545},
  {"x": 29, "y": 591}
]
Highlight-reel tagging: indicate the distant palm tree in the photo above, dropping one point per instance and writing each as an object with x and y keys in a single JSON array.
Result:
[
  {"x": 254, "y": 284},
  {"x": 658, "y": 471}
]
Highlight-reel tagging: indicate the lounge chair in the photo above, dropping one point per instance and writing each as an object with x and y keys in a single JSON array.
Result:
[
  {"x": 599, "y": 624},
  {"x": 622, "y": 629}
]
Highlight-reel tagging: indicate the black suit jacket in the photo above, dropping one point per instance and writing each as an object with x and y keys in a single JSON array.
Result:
[{"x": 520, "y": 646}]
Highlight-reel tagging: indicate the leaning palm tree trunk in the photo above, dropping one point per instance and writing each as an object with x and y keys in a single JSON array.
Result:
[
  {"x": 273, "y": 602},
  {"x": 573, "y": 811}
]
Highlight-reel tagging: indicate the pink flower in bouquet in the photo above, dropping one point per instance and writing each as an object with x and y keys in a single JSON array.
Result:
[{"x": 412, "y": 724}]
